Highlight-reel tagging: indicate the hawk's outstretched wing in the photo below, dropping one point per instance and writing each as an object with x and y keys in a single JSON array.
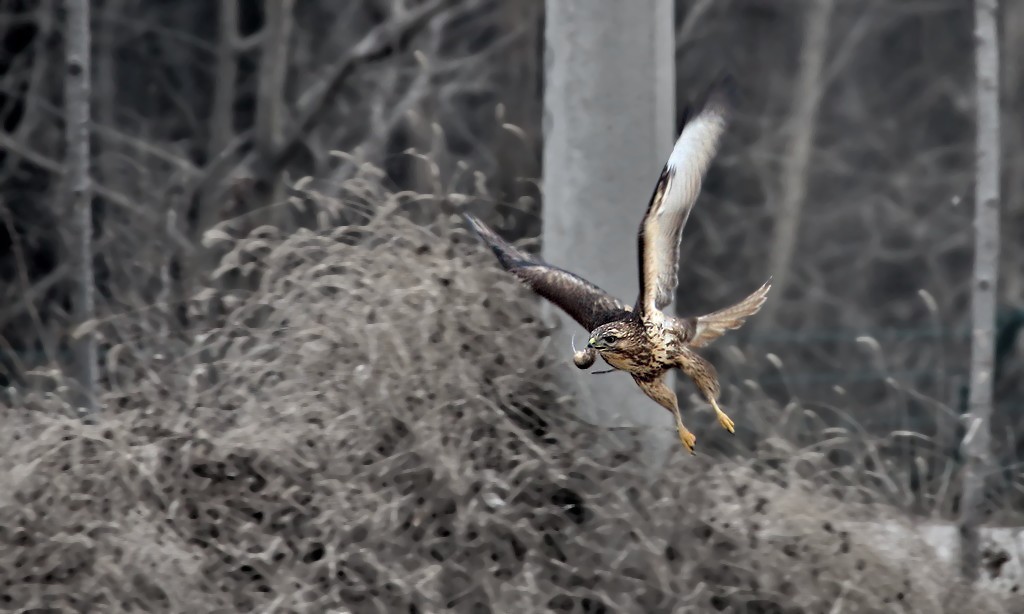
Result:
[
  {"x": 709, "y": 327},
  {"x": 674, "y": 196},
  {"x": 586, "y": 303}
]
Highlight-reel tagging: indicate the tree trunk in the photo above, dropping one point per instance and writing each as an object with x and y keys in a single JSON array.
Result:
[
  {"x": 796, "y": 165},
  {"x": 79, "y": 185},
  {"x": 1011, "y": 86},
  {"x": 270, "y": 105},
  {"x": 983, "y": 299},
  {"x": 222, "y": 116},
  {"x": 608, "y": 128}
]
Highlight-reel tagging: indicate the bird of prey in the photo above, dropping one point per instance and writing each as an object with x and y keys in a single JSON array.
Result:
[{"x": 641, "y": 339}]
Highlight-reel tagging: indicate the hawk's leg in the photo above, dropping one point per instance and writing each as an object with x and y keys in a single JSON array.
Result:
[
  {"x": 664, "y": 396},
  {"x": 705, "y": 378},
  {"x": 723, "y": 419}
]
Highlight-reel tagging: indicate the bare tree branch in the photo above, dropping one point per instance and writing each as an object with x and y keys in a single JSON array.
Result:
[
  {"x": 28, "y": 296},
  {"x": 45, "y": 339},
  {"x": 106, "y": 131},
  {"x": 254, "y": 40},
  {"x": 43, "y": 19},
  {"x": 693, "y": 18},
  {"x": 114, "y": 197},
  {"x": 377, "y": 43}
]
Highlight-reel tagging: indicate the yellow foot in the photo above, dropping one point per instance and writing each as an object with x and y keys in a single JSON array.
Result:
[
  {"x": 688, "y": 438},
  {"x": 723, "y": 419}
]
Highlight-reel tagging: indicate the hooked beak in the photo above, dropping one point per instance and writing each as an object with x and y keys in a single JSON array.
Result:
[{"x": 593, "y": 344}]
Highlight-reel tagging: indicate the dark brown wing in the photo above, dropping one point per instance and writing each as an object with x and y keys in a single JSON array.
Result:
[
  {"x": 713, "y": 325},
  {"x": 674, "y": 196},
  {"x": 586, "y": 303}
]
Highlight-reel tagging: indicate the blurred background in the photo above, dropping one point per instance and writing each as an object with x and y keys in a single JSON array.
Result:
[{"x": 850, "y": 166}]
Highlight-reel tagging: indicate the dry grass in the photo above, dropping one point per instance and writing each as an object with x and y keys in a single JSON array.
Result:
[{"x": 368, "y": 424}]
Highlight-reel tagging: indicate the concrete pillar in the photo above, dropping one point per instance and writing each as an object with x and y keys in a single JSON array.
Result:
[{"x": 609, "y": 125}]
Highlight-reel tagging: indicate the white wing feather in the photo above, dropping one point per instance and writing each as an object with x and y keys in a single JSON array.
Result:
[{"x": 673, "y": 199}]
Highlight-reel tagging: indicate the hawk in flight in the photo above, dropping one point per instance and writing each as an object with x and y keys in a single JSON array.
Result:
[{"x": 641, "y": 339}]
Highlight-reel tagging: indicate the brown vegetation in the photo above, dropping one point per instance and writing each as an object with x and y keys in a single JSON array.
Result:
[
  {"x": 368, "y": 424},
  {"x": 323, "y": 393}
]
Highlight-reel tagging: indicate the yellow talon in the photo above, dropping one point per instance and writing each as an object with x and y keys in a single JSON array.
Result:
[
  {"x": 723, "y": 419},
  {"x": 688, "y": 438}
]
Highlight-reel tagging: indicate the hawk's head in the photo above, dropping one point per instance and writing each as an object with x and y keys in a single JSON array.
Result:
[{"x": 620, "y": 338}]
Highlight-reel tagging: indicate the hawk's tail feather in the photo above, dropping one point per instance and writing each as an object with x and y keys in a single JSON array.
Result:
[
  {"x": 742, "y": 310},
  {"x": 508, "y": 255},
  {"x": 713, "y": 325}
]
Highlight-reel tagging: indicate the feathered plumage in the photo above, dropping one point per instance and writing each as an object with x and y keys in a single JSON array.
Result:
[
  {"x": 586, "y": 303},
  {"x": 642, "y": 340},
  {"x": 709, "y": 327},
  {"x": 674, "y": 196}
]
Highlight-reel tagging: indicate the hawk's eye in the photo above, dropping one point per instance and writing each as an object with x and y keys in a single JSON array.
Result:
[{"x": 610, "y": 339}]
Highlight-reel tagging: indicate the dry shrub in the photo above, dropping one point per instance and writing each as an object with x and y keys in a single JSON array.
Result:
[{"x": 369, "y": 424}]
